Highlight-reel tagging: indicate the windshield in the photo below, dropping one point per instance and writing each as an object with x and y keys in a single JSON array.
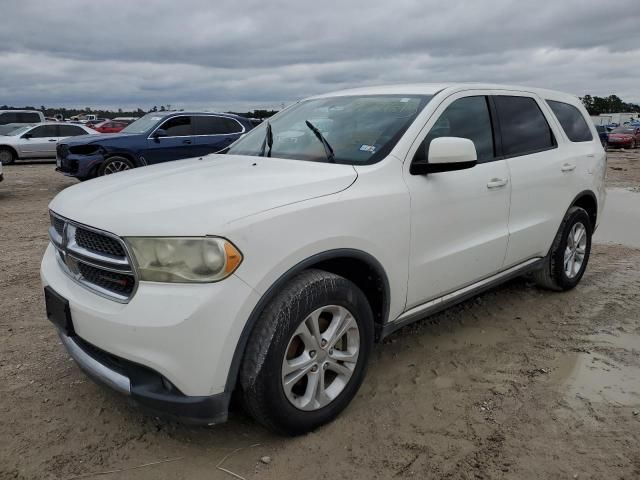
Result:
[
  {"x": 629, "y": 131},
  {"x": 143, "y": 124},
  {"x": 360, "y": 129},
  {"x": 19, "y": 131}
]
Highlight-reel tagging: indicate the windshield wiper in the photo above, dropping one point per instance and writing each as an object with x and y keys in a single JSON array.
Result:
[
  {"x": 268, "y": 140},
  {"x": 331, "y": 158}
]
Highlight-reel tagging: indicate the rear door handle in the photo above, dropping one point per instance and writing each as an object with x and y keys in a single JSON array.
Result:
[
  {"x": 187, "y": 141},
  {"x": 53, "y": 139},
  {"x": 497, "y": 182},
  {"x": 568, "y": 167}
]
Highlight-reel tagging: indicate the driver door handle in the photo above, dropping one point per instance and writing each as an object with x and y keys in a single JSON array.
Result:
[
  {"x": 497, "y": 182},
  {"x": 567, "y": 167},
  {"x": 187, "y": 141},
  {"x": 53, "y": 139}
]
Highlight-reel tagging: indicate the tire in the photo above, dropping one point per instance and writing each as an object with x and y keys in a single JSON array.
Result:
[
  {"x": 275, "y": 340},
  {"x": 555, "y": 274},
  {"x": 7, "y": 156},
  {"x": 114, "y": 165}
]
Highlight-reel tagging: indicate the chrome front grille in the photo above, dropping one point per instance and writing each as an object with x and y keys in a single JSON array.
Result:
[{"x": 97, "y": 260}]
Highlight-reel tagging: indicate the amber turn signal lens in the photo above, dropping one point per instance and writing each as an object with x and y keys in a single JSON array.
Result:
[{"x": 234, "y": 258}]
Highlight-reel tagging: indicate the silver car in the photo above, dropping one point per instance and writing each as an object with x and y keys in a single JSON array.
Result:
[{"x": 37, "y": 141}]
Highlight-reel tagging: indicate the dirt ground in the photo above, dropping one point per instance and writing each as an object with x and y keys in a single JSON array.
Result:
[{"x": 518, "y": 383}]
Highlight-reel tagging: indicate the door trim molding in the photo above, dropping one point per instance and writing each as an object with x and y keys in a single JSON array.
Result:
[{"x": 440, "y": 303}]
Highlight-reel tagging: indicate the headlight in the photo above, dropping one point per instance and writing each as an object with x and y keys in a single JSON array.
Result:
[{"x": 184, "y": 260}]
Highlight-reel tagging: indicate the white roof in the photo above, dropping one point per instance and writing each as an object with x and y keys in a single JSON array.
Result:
[{"x": 433, "y": 88}]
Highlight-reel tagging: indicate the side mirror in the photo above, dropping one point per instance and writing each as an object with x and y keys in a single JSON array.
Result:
[
  {"x": 159, "y": 133},
  {"x": 447, "y": 154}
]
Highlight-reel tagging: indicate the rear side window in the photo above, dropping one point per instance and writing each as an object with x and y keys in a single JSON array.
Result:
[
  {"x": 177, "y": 127},
  {"x": 466, "y": 117},
  {"x": 70, "y": 131},
  {"x": 523, "y": 127},
  {"x": 8, "y": 117},
  {"x": 212, "y": 125},
  {"x": 572, "y": 121},
  {"x": 28, "y": 117}
]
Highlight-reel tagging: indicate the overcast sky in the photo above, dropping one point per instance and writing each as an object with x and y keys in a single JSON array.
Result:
[{"x": 233, "y": 55}]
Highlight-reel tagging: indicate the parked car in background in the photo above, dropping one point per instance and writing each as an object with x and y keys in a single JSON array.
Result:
[
  {"x": 109, "y": 126},
  {"x": 603, "y": 133},
  {"x": 37, "y": 141},
  {"x": 271, "y": 270},
  {"x": 127, "y": 120},
  {"x": 93, "y": 123},
  {"x": 23, "y": 117},
  {"x": 624, "y": 137},
  {"x": 154, "y": 138}
]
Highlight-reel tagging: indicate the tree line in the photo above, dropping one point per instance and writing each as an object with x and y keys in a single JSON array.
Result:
[{"x": 611, "y": 104}]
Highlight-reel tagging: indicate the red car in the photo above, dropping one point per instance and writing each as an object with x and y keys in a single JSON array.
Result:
[
  {"x": 625, "y": 137},
  {"x": 110, "y": 126}
]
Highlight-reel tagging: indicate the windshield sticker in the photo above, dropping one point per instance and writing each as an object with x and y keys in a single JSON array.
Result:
[{"x": 368, "y": 148}]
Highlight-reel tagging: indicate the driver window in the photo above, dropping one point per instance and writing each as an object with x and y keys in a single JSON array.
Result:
[
  {"x": 177, "y": 127},
  {"x": 466, "y": 117}
]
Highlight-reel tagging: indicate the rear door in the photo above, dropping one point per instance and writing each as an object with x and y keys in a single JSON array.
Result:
[
  {"x": 40, "y": 141},
  {"x": 459, "y": 219},
  {"x": 179, "y": 142},
  {"x": 215, "y": 133},
  {"x": 540, "y": 172}
]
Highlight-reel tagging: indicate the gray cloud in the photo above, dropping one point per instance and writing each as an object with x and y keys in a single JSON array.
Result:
[{"x": 241, "y": 54}]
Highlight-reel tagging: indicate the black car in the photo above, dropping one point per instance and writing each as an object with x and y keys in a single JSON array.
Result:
[{"x": 157, "y": 137}]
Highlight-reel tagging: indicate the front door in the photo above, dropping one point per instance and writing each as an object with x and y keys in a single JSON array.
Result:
[
  {"x": 40, "y": 141},
  {"x": 459, "y": 219},
  {"x": 178, "y": 143}
]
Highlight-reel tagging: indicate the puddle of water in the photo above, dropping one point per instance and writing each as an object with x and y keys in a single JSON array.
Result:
[
  {"x": 598, "y": 380},
  {"x": 627, "y": 341},
  {"x": 620, "y": 221}
]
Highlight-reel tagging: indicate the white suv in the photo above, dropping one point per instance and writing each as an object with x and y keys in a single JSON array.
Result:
[{"x": 271, "y": 270}]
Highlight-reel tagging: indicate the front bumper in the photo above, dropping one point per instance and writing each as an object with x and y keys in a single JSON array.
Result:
[
  {"x": 184, "y": 333},
  {"x": 80, "y": 166},
  {"x": 144, "y": 386}
]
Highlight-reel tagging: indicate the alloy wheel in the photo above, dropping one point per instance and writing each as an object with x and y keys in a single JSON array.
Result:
[
  {"x": 575, "y": 250},
  {"x": 115, "y": 166},
  {"x": 320, "y": 358},
  {"x": 5, "y": 156}
]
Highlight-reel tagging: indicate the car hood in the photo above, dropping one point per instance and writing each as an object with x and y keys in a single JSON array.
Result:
[
  {"x": 197, "y": 196},
  {"x": 102, "y": 138},
  {"x": 625, "y": 136}
]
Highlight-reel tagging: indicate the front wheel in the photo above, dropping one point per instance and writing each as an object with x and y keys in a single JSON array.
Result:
[
  {"x": 567, "y": 260},
  {"x": 115, "y": 165},
  {"x": 308, "y": 353},
  {"x": 7, "y": 156}
]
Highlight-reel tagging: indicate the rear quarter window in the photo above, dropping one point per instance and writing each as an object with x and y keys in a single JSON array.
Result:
[{"x": 572, "y": 121}]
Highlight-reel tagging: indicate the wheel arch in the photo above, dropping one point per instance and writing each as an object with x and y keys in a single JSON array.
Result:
[
  {"x": 587, "y": 200},
  {"x": 356, "y": 265}
]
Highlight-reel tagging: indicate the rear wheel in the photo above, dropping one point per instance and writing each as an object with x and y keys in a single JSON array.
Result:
[
  {"x": 7, "y": 156},
  {"x": 115, "y": 165},
  {"x": 308, "y": 353},
  {"x": 567, "y": 260}
]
